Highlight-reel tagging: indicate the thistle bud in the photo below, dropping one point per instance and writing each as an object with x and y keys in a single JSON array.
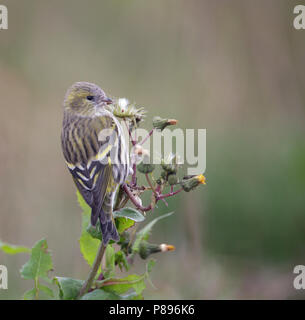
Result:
[
  {"x": 191, "y": 182},
  {"x": 125, "y": 242},
  {"x": 169, "y": 168},
  {"x": 144, "y": 166},
  {"x": 172, "y": 179},
  {"x": 171, "y": 163},
  {"x": 166, "y": 247},
  {"x": 160, "y": 123},
  {"x": 146, "y": 249},
  {"x": 164, "y": 175}
]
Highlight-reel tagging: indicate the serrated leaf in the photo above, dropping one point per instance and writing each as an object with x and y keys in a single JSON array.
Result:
[
  {"x": 100, "y": 294},
  {"x": 68, "y": 288},
  {"x": 143, "y": 234},
  {"x": 13, "y": 249},
  {"x": 122, "y": 285},
  {"x": 88, "y": 245},
  {"x": 110, "y": 262},
  {"x": 40, "y": 262}
]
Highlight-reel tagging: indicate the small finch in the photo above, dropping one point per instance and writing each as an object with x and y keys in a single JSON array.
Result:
[{"x": 95, "y": 151}]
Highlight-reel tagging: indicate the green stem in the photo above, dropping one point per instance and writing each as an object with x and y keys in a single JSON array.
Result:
[
  {"x": 97, "y": 262},
  {"x": 36, "y": 283}
]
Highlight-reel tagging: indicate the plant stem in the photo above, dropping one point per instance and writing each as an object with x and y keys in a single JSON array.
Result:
[
  {"x": 129, "y": 132},
  {"x": 36, "y": 283},
  {"x": 134, "y": 200},
  {"x": 134, "y": 175},
  {"x": 150, "y": 184},
  {"x": 154, "y": 190},
  {"x": 145, "y": 139},
  {"x": 162, "y": 196},
  {"x": 97, "y": 262}
]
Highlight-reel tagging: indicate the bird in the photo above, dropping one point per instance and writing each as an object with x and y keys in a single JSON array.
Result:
[{"x": 95, "y": 149}]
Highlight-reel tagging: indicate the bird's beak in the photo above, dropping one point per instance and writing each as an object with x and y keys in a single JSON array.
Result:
[{"x": 107, "y": 100}]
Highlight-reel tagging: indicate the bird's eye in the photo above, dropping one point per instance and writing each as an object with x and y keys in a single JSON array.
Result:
[{"x": 90, "y": 98}]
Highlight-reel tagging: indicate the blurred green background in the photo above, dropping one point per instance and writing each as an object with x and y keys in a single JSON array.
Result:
[{"x": 233, "y": 67}]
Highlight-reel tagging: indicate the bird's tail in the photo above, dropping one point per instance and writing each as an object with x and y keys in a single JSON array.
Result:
[{"x": 106, "y": 220}]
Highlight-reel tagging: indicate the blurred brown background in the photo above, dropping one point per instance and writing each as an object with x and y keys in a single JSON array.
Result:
[{"x": 233, "y": 67}]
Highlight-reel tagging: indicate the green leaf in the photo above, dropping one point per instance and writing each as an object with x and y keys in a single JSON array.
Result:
[
  {"x": 40, "y": 262},
  {"x": 123, "y": 224},
  {"x": 126, "y": 218},
  {"x": 122, "y": 285},
  {"x": 129, "y": 213},
  {"x": 100, "y": 294},
  {"x": 30, "y": 295},
  {"x": 132, "y": 296},
  {"x": 46, "y": 290},
  {"x": 143, "y": 234},
  {"x": 88, "y": 245},
  {"x": 121, "y": 260},
  {"x": 33, "y": 293},
  {"x": 110, "y": 262},
  {"x": 13, "y": 249},
  {"x": 95, "y": 232},
  {"x": 150, "y": 264},
  {"x": 68, "y": 288}
]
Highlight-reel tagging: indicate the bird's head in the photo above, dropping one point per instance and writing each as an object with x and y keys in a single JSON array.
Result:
[{"x": 85, "y": 98}]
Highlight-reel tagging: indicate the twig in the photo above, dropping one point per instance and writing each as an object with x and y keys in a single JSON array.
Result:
[
  {"x": 97, "y": 262},
  {"x": 154, "y": 191},
  {"x": 162, "y": 196},
  {"x": 134, "y": 166},
  {"x": 150, "y": 133},
  {"x": 150, "y": 184},
  {"x": 36, "y": 284},
  {"x": 134, "y": 175},
  {"x": 134, "y": 200},
  {"x": 131, "y": 138}
]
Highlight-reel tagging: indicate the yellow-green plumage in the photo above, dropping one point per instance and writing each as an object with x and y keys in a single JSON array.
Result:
[{"x": 95, "y": 152}]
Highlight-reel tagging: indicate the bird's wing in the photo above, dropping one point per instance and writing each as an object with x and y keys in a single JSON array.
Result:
[{"x": 89, "y": 142}]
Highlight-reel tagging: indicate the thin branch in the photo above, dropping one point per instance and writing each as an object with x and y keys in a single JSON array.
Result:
[
  {"x": 134, "y": 200},
  {"x": 134, "y": 175},
  {"x": 154, "y": 191},
  {"x": 131, "y": 138},
  {"x": 97, "y": 262},
  {"x": 150, "y": 184},
  {"x": 145, "y": 139},
  {"x": 162, "y": 196}
]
